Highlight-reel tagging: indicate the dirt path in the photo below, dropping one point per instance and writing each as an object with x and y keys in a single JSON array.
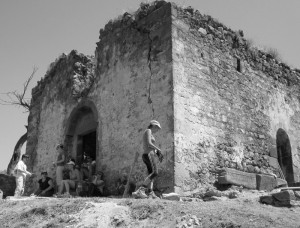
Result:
[{"x": 244, "y": 211}]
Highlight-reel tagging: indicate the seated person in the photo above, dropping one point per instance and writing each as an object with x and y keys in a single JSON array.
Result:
[
  {"x": 121, "y": 185},
  {"x": 71, "y": 183},
  {"x": 97, "y": 185},
  {"x": 46, "y": 188},
  {"x": 88, "y": 168}
]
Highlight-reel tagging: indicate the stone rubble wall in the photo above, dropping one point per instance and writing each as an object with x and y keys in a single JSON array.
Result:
[{"x": 223, "y": 117}]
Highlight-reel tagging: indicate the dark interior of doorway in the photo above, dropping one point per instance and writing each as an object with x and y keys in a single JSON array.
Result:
[
  {"x": 89, "y": 145},
  {"x": 284, "y": 153}
]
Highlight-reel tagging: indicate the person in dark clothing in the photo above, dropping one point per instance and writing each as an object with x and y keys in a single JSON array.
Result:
[
  {"x": 96, "y": 187},
  {"x": 46, "y": 188}
]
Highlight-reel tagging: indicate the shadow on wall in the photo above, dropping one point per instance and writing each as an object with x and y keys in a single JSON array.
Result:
[{"x": 284, "y": 152}]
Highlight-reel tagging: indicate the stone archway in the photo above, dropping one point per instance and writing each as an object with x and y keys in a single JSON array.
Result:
[
  {"x": 81, "y": 132},
  {"x": 284, "y": 153}
]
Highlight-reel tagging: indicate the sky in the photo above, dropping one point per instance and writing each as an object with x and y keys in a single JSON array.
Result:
[{"x": 33, "y": 33}]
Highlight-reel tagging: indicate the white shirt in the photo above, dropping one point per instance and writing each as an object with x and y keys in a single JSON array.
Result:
[{"x": 21, "y": 169}]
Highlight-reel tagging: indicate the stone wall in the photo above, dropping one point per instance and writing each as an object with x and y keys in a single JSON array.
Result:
[
  {"x": 53, "y": 99},
  {"x": 134, "y": 85},
  {"x": 229, "y": 102}
]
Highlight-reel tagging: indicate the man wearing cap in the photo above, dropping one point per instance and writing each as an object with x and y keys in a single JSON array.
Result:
[
  {"x": 45, "y": 186},
  {"x": 20, "y": 174},
  {"x": 151, "y": 151}
]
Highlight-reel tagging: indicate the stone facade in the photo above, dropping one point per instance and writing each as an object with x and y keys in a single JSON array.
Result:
[
  {"x": 220, "y": 102},
  {"x": 233, "y": 104}
]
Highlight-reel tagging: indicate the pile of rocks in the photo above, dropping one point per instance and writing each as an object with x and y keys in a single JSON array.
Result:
[
  {"x": 211, "y": 194},
  {"x": 188, "y": 221}
]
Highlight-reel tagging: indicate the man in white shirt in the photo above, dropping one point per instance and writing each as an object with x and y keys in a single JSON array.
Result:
[{"x": 21, "y": 173}]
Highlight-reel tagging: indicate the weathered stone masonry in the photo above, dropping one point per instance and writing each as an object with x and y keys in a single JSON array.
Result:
[
  {"x": 220, "y": 102},
  {"x": 230, "y": 103}
]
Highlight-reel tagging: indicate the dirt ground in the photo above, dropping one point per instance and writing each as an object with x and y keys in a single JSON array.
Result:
[{"x": 244, "y": 211}]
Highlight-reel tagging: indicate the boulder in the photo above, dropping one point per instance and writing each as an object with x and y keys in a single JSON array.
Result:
[
  {"x": 7, "y": 185},
  {"x": 236, "y": 177},
  {"x": 283, "y": 198},
  {"x": 279, "y": 199},
  {"x": 266, "y": 200},
  {"x": 284, "y": 195}
]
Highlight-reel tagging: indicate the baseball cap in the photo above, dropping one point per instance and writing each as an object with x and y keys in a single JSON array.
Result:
[{"x": 155, "y": 123}]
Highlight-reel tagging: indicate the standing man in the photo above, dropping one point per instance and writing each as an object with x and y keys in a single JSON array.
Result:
[
  {"x": 21, "y": 173},
  {"x": 60, "y": 164}
]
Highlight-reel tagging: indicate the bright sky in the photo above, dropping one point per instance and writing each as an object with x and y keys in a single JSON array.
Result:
[{"x": 35, "y": 33}]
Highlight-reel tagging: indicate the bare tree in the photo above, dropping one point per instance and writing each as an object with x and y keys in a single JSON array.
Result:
[{"x": 18, "y": 98}]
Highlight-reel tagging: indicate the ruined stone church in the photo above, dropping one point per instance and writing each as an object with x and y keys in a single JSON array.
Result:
[{"x": 220, "y": 102}]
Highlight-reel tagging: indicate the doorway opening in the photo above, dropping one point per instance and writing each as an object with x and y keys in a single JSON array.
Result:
[
  {"x": 284, "y": 153},
  {"x": 81, "y": 137},
  {"x": 86, "y": 146}
]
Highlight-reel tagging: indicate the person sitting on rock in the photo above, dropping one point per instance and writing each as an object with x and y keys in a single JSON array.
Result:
[
  {"x": 88, "y": 168},
  {"x": 46, "y": 188},
  {"x": 121, "y": 185},
  {"x": 97, "y": 185},
  {"x": 71, "y": 183}
]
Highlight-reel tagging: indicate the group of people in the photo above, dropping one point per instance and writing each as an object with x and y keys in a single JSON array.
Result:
[{"x": 77, "y": 175}]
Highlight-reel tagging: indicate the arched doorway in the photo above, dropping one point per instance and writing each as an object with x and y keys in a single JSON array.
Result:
[
  {"x": 284, "y": 153},
  {"x": 81, "y": 132}
]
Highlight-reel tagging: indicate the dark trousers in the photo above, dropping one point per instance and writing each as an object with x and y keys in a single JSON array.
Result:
[{"x": 151, "y": 163}]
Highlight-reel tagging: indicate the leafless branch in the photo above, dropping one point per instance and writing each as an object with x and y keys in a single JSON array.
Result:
[{"x": 17, "y": 98}]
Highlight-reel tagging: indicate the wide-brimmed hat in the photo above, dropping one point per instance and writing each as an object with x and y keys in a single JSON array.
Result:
[
  {"x": 155, "y": 123},
  {"x": 70, "y": 163}
]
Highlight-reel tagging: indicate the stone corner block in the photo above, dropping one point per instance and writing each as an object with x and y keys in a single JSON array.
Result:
[{"x": 265, "y": 182}]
